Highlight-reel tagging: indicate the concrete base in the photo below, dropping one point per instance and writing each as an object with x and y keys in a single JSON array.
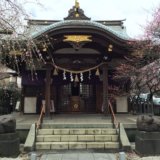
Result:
[
  {"x": 147, "y": 143},
  {"x": 9, "y": 145}
]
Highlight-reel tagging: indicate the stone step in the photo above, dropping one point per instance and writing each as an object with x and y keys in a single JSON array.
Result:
[
  {"x": 76, "y": 145},
  {"x": 78, "y": 131},
  {"x": 77, "y": 138},
  {"x": 77, "y": 125}
]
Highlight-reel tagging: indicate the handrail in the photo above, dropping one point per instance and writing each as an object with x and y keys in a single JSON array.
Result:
[
  {"x": 115, "y": 122},
  {"x": 40, "y": 120}
]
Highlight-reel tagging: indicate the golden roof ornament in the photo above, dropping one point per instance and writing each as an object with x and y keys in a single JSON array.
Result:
[
  {"x": 76, "y": 8},
  {"x": 76, "y": 4},
  {"x": 77, "y": 38},
  {"x": 76, "y": 13}
]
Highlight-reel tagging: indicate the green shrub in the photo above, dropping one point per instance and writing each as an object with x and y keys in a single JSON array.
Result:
[{"x": 8, "y": 99}]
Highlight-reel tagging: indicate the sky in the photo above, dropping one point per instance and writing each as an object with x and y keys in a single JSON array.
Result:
[{"x": 136, "y": 13}]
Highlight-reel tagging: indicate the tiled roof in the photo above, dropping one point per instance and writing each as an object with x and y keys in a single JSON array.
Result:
[{"x": 120, "y": 33}]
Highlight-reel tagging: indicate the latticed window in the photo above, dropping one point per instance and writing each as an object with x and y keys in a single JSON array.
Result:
[
  {"x": 65, "y": 92},
  {"x": 86, "y": 90},
  {"x": 87, "y": 94}
]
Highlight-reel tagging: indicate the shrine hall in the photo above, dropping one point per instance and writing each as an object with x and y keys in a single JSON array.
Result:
[{"x": 74, "y": 65}]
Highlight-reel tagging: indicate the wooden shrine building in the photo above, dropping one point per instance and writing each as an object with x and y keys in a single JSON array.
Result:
[{"x": 74, "y": 64}]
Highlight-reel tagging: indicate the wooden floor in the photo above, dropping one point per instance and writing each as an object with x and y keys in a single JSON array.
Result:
[{"x": 25, "y": 121}]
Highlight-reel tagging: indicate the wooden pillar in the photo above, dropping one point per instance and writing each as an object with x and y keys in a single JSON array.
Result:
[
  {"x": 22, "y": 99},
  {"x": 105, "y": 90},
  {"x": 48, "y": 90}
]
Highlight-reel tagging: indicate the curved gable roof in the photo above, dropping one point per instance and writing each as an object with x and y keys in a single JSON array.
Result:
[{"x": 118, "y": 33}]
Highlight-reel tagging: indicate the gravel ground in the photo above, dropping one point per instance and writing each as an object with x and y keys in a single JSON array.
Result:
[{"x": 134, "y": 156}]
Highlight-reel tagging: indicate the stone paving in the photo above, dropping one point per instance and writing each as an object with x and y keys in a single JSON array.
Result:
[{"x": 81, "y": 156}]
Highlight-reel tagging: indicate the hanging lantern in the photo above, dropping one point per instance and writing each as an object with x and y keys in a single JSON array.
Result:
[
  {"x": 97, "y": 72},
  {"x": 76, "y": 78},
  {"x": 44, "y": 47},
  {"x": 110, "y": 48},
  {"x": 55, "y": 72}
]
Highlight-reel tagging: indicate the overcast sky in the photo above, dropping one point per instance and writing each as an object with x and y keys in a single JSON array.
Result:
[{"x": 136, "y": 12}]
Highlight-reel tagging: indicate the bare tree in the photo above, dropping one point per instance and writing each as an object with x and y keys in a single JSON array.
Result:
[
  {"x": 12, "y": 16},
  {"x": 16, "y": 45}
]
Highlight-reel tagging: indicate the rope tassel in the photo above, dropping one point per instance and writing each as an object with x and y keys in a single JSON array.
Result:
[
  {"x": 76, "y": 78},
  {"x": 55, "y": 73},
  {"x": 97, "y": 72}
]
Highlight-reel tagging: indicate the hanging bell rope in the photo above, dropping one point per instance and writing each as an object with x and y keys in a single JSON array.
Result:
[{"x": 78, "y": 72}]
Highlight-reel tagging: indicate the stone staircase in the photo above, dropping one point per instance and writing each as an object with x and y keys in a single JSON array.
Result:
[{"x": 79, "y": 136}]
